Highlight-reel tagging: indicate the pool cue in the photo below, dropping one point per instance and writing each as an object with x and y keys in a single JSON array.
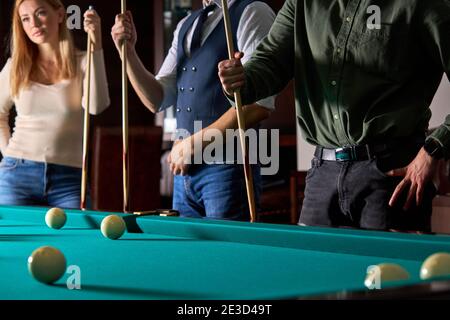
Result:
[
  {"x": 240, "y": 118},
  {"x": 84, "y": 170},
  {"x": 125, "y": 119}
]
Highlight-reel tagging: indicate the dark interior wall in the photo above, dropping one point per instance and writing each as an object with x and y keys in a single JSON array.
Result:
[
  {"x": 142, "y": 11},
  {"x": 5, "y": 9}
]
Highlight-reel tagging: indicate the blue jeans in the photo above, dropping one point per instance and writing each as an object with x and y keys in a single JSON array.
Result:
[
  {"x": 215, "y": 191},
  {"x": 24, "y": 182}
]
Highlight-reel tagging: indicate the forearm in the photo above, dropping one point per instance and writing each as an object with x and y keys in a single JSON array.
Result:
[
  {"x": 99, "y": 95},
  {"x": 253, "y": 114},
  {"x": 4, "y": 134},
  {"x": 148, "y": 89}
]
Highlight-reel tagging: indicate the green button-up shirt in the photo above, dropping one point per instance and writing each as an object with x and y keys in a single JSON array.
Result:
[{"x": 356, "y": 82}]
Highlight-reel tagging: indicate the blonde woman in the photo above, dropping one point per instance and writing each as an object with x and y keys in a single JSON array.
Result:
[{"x": 45, "y": 80}]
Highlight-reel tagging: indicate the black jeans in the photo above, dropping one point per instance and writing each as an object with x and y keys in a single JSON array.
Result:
[{"x": 357, "y": 193}]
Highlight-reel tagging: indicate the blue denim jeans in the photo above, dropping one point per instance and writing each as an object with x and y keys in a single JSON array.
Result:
[
  {"x": 215, "y": 191},
  {"x": 24, "y": 182}
]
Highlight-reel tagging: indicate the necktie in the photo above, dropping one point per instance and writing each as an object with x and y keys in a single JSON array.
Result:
[{"x": 196, "y": 37}]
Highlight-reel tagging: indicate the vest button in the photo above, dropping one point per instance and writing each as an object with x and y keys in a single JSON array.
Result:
[
  {"x": 191, "y": 89},
  {"x": 188, "y": 109},
  {"x": 178, "y": 110},
  {"x": 184, "y": 69},
  {"x": 194, "y": 69},
  {"x": 182, "y": 89}
]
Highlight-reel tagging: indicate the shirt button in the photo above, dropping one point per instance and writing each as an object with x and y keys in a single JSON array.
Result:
[
  {"x": 188, "y": 109},
  {"x": 182, "y": 89},
  {"x": 333, "y": 83},
  {"x": 191, "y": 89},
  {"x": 336, "y": 117},
  {"x": 184, "y": 69},
  {"x": 348, "y": 19},
  {"x": 178, "y": 110},
  {"x": 338, "y": 50},
  {"x": 194, "y": 69}
]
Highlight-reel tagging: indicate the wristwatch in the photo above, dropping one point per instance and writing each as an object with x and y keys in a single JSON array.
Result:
[{"x": 434, "y": 148}]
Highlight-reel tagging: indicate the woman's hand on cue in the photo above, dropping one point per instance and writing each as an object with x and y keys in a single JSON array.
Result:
[{"x": 93, "y": 26}]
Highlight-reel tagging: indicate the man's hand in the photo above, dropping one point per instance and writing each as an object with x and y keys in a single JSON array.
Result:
[
  {"x": 124, "y": 29},
  {"x": 181, "y": 155},
  {"x": 417, "y": 175},
  {"x": 231, "y": 74}
]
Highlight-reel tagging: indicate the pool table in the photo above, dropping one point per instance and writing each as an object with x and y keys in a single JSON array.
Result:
[{"x": 189, "y": 259}]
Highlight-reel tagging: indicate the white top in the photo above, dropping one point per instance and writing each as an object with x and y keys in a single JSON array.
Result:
[
  {"x": 255, "y": 23},
  {"x": 49, "y": 123}
]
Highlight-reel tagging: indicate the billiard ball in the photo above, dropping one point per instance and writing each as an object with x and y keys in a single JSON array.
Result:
[
  {"x": 436, "y": 265},
  {"x": 55, "y": 218},
  {"x": 47, "y": 264},
  {"x": 113, "y": 227},
  {"x": 385, "y": 272}
]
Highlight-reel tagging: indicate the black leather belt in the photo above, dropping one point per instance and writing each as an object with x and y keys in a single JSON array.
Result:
[{"x": 367, "y": 151}]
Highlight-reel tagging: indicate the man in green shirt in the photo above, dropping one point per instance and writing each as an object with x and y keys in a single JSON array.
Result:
[{"x": 365, "y": 74}]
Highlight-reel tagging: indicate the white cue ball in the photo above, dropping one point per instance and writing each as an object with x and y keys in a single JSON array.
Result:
[
  {"x": 385, "y": 272},
  {"x": 113, "y": 227},
  {"x": 47, "y": 264},
  {"x": 436, "y": 265},
  {"x": 55, "y": 218}
]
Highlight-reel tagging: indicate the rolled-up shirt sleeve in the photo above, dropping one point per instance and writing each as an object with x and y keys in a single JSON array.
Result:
[{"x": 6, "y": 103}]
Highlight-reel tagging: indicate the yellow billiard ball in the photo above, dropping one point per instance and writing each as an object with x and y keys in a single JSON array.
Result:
[
  {"x": 55, "y": 218},
  {"x": 113, "y": 227},
  {"x": 47, "y": 264},
  {"x": 385, "y": 272},
  {"x": 436, "y": 265}
]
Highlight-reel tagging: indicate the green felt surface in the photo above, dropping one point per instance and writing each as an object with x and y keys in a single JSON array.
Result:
[{"x": 175, "y": 258}]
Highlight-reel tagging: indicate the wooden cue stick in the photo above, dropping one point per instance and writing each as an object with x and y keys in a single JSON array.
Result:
[
  {"x": 240, "y": 117},
  {"x": 125, "y": 120},
  {"x": 84, "y": 169}
]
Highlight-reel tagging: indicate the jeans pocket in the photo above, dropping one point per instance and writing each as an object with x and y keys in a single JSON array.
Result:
[
  {"x": 315, "y": 164},
  {"x": 376, "y": 168},
  {"x": 9, "y": 163}
]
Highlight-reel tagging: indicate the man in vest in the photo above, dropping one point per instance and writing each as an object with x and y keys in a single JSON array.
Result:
[{"x": 188, "y": 80}]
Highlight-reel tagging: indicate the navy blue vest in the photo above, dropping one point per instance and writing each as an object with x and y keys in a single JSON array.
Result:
[{"x": 200, "y": 95}]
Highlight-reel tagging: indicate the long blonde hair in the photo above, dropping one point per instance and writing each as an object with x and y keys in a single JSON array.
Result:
[{"x": 24, "y": 51}]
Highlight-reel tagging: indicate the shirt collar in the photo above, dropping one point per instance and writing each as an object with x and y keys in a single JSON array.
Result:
[{"x": 230, "y": 2}]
